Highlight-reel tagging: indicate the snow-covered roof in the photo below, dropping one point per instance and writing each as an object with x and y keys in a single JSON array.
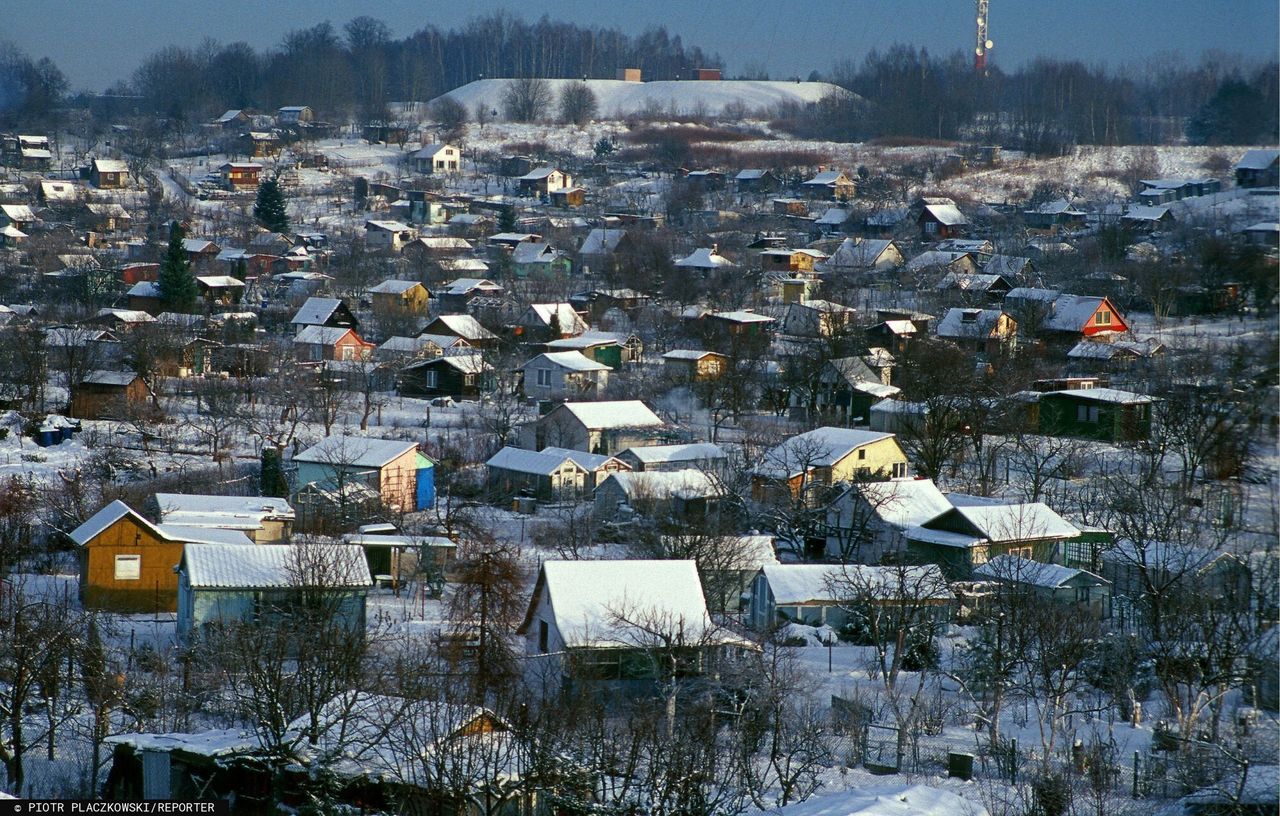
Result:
[
  {"x": 903, "y": 503},
  {"x": 704, "y": 258},
  {"x": 1142, "y": 212},
  {"x": 946, "y": 213},
  {"x": 464, "y": 286},
  {"x": 605, "y": 604},
  {"x": 429, "y": 151},
  {"x": 612, "y": 414},
  {"x": 686, "y": 483},
  {"x": 834, "y": 216},
  {"x": 969, "y": 323},
  {"x": 969, "y": 281},
  {"x": 1072, "y": 312},
  {"x": 17, "y": 212},
  {"x": 116, "y": 510},
  {"x": 693, "y": 452},
  {"x": 539, "y": 463},
  {"x": 321, "y": 335},
  {"x": 199, "y": 534},
  {"x": 1026, "y": 571},
  {"x": 181, "y": 508},
  {"x": 144, "y": 289},
  {"x": 316, "y": 310},
  {"x": 126, "y": 315},
  {"x": 220, "y": 281},
  {"x": 562, "y": 314},
  {"x": 934, "y": 257},
  {"x": 601, "y": 241},
  {"x": 742, "y": 316},
  {"x": 466, "y": 362},
  {"x": 1109, "y": 395},
  {"x": 1009, "y": 266},
  {"x": 537, "y": 174},
  {"x": 831, "y": 583},
  {"x": 587, "y": 461},
  {"x": 274, "y": 566},
  {"x": 826, "y": 178},
  {"x": 1094, "y": 350},
  {"x": 103, "y": 376},
  {"x": 821, "y": 447},
  {"x": 394, "y": 287},
  {"x": 355, "y": 451},
  {"x": 532, "y": 252},
  {"x": 1258, "y": 159},
  {"x": 388, "y": 540},
  {"x": 462, "y": 265},
  {"x": 688, "y": 354},
  {"x": 571, "y": 360},
  {"x": 466, "y": 326},
  {"x": 1016, "y": 522},
  {"x": 387, "y": 226},
  {"x": 1172, "y": 557},
  {"x": 856, "y": 254},
  {"x": 110, "y": 166}
]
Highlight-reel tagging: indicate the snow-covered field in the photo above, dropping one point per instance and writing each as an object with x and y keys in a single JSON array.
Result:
[{"x": 619, "y": 99}]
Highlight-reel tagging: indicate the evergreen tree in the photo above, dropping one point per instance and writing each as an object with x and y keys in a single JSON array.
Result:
[
  {"x": 270, "y": 208},
  {"x": 507, "y": 219},
  {"x": 272, "y": 480},
  {"x": 177, "y": 285}
]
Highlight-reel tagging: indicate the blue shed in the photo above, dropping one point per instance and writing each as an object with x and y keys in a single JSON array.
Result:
[{"x": 426, "y": 490}]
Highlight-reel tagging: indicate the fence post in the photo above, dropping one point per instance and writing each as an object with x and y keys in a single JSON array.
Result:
[
  {"x": 1013, "y": 761},
  {"x": 1135, "y": 775}
]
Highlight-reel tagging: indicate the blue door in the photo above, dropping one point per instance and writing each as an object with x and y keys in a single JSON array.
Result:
[{"x": 426, "y": 492}]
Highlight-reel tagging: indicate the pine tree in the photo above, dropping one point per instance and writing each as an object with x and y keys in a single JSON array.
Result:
[
  {"x": 273, "y": 481},
  {"x": 270, "y": 207},
  {"x": 507, "y": 219},
  {"x": 177, "y": 285}
]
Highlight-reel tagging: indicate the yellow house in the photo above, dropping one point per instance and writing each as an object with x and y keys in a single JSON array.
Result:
[
  {"x": 808, "y": 462},
  {"x": 399, "y": 297}
]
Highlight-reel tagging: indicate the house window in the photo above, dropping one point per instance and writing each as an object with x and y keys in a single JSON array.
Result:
[
  {"x": 544, "y": 376},
  {"x": 1082, "y": 594},
  {"x": 899, "y": 470},
  {"x": 1020, "y": 552},
  {"x": 128, "y": 567},
  {"x": 862, "y": 454},
  {"x": 543, "y": 631},
  {"x": 431, "y": 378},
  {"x": 348, "y": 352},
  {"x": 1086, "y": 413},
  {"x": 1102, "y": 318}
]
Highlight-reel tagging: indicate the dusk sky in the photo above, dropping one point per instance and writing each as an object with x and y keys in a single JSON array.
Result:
[{"x": 100, "y": 42}]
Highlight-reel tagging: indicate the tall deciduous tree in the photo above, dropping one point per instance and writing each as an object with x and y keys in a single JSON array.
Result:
[
  {"x": 177, "y": 285},
  {"x": 578, "y": 103},
  {"x": 269, "y": 209}
]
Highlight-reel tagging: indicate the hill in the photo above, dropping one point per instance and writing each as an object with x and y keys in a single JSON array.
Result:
[{"x": 618, "y": 99}]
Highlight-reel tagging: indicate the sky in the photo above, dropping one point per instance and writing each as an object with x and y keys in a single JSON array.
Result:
[{"x": 98, "y": 43}]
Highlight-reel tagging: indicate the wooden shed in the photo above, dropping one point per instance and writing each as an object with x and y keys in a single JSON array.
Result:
[{"x": 127, "y": 563}]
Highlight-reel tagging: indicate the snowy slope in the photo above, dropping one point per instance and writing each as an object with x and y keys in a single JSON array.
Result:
[{"x": 618, "y": 99}]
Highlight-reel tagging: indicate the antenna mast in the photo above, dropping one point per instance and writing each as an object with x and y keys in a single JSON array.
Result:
[{"x": 983, "y": 44}]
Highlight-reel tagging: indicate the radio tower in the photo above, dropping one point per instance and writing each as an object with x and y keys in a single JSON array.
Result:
[{"x": 984, "y": 45}]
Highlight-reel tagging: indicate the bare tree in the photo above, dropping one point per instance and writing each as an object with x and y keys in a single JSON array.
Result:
[
  {"x": 526, "y": 99},
  {"x": 39, "y": 637},
  {"x": 578, "y": 104}
]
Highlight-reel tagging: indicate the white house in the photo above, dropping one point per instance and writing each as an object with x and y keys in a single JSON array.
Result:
[
  {"x": 388, "y": 235},
  {"x": 564, "y": 374},
  {"x": 437, "y": 158}
]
